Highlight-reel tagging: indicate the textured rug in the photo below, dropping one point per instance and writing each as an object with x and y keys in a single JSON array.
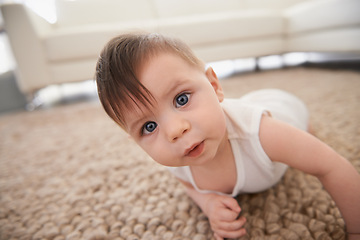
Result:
[{"x": 70, "y": 173}]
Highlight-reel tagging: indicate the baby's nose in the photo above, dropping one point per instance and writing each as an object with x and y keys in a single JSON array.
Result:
[{"x": 177, "y": 129}]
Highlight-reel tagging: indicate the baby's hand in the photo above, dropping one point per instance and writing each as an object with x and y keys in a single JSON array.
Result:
[{"x": 223, "y": 212}]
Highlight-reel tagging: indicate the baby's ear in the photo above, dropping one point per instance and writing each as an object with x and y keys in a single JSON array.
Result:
[{"x": 215, "y": 83}]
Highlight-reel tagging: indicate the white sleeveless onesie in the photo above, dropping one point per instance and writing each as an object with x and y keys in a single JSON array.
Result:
[{"x": 255, "y": 171}]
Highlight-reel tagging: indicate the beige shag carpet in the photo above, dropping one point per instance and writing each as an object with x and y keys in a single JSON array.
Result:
[{"x": 70, "y": 173}]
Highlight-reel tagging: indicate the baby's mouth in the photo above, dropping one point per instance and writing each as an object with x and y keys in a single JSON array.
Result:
[{"x": 195, "y": 150}]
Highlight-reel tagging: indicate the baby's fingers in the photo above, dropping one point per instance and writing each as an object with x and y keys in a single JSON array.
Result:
[
  {"x": 221, "y": 234},
  {"x": 227, "y": 214},
  {"x": 233, "y": 229},
  {"x": 233, "y": 225},
  {"x": 232, "y": 204},
  {"x": 217, "y": 237}
]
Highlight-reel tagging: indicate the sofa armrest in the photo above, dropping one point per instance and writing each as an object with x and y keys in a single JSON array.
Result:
[{"x": 25, "y": 30}]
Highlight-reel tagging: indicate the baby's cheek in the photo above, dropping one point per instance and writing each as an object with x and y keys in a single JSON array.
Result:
[{"x": 156, "y": 154}]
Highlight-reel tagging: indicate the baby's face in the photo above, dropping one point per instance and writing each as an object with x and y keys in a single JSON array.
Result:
[{"x": 186, "y": 125}]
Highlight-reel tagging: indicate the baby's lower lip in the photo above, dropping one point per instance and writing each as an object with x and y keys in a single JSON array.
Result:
[{"x": 196, "y": 151}]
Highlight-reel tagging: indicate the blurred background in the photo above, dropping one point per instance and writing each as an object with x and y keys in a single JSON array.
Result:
[{"x": 38, "y": 69}]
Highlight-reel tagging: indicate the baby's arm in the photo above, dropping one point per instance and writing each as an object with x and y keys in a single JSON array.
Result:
[
  {"x": 303, "y": 151},
  {"x": 222, "y": 211}
]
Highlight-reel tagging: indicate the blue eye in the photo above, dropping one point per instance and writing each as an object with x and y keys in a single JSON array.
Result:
[
  {"x": 149, "y": 127},
  {"x": 182, "y": 99}
]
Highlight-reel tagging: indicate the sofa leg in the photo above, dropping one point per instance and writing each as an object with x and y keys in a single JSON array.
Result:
[
  {"x": 33, "y": 102},
  {"x": 257, "y": 67}
]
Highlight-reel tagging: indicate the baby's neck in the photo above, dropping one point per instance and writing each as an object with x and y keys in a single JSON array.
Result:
[{"x": 219, "y": 174}]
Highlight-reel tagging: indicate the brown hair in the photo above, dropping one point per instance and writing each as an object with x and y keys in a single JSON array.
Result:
[{"x": 119, "y": 64}]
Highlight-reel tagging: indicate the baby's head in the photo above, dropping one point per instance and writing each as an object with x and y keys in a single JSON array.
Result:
[
  {"x": 119, "y": 66},
  {"x": 160, "y": 94}
]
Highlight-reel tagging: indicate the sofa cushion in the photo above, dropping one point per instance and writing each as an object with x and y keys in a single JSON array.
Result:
[
  {"x": 322, "y": 14},
  {"x": 86, "y": 41},
  {"x": 240, "y": 49},
  {"x": 223, "y": 27},
  {"x": 332, "y": 40},
  {"x": 176, "y": 8},
  {"x": 85, "y": 12}
]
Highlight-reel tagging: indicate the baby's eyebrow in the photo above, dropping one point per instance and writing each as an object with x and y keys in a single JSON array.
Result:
[{"x": 174, "y": 86}]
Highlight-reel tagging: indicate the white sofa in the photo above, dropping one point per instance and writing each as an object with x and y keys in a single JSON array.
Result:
[{"x": 67, "y": 50}]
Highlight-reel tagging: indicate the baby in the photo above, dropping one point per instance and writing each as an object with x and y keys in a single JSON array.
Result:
[{"x": 159, "y": 92}]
